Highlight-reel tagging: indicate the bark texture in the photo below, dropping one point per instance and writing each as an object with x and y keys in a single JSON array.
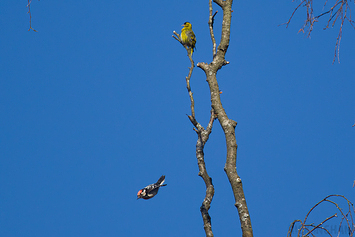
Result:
[{"x": 227, "y": 124}]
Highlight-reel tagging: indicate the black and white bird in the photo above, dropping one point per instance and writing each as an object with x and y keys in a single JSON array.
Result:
[{"x": 152, "y": 189}]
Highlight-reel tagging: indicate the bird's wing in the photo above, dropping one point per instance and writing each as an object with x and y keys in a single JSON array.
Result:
[{"x": 191, "y": 34}]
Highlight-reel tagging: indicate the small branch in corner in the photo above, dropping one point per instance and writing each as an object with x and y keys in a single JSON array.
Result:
[
  {"x": 29, "y": 12},
  {"x": 340, "y": 12}
]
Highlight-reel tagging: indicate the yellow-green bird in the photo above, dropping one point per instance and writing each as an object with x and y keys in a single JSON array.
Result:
[{"x": 188, "y": 36}]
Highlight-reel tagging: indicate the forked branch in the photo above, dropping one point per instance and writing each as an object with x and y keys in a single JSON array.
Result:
[
  {"x": 29, "y": 12},
  {"x": 227, "y": 124},
  {"x": 202, "y": 138}
]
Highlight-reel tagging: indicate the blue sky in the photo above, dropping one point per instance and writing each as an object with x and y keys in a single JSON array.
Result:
[{"x": 94, "y": 108}]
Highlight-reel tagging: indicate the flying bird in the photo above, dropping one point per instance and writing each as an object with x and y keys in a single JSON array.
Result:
[
  {"x": 152, "y": 189},
  {"x": 188, "y": 36}
]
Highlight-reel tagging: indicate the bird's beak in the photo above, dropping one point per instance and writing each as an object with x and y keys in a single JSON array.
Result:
[{"x": 183, "y": 25}]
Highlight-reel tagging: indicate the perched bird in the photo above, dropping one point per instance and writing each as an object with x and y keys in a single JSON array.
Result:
[
  {"x": 188, "y": 36},
  {"x": 152, "y": 189}
]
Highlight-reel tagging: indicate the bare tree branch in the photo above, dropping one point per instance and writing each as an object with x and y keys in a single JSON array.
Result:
[
  {"x": 210, "y": 23},
  {"x": 346, "y": 217},
  {"x": 340, "y": 11},
  {"x": 203, "y": 136},
  {"x": 219, "y": 3},
  {"x": 319, "y": 225},
  {"x": 177, "y": 37},
  {"x": 29, "y": 12},
  {"x": 227, "y": 124}
]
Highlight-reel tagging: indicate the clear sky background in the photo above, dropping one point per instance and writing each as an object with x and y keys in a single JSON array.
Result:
[{"x": 93, "y": 108}]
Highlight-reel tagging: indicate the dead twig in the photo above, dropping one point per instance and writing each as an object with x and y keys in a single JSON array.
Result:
[
  {"x": 346, "y": 217},
  {"x": 29, "y": 12},
  {"x": 340, "y": 12}
]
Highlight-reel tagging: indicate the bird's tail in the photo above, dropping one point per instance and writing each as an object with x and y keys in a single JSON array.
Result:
[
  {"x": 191, "y": 51},
  {"x": 161, "y": 181}
]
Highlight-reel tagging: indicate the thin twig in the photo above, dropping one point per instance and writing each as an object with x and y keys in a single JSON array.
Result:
[
  {"x": 290, "y": 229},
  {"x": 210, "y": 23},
  {"x": 177, "y": 37},
  {"x": 29, "y": 12},
  {"x": 318, "y": 226}
]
